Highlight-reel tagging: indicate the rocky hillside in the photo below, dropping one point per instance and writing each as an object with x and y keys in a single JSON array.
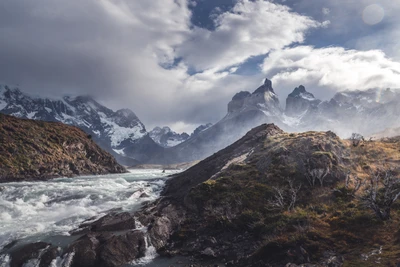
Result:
[
  {"x": 283, "y": 199},
  {"x": 32, "y": 150}
]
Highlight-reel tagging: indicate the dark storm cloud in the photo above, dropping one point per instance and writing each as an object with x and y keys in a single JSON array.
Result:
[{"x": 51, "y": 48}]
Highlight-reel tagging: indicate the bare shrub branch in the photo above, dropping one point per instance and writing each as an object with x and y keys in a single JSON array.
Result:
[
  {"x": 285, "y": 197},
  {"x": 383, "y": 190},
  {"x": 356, "y": 138}
]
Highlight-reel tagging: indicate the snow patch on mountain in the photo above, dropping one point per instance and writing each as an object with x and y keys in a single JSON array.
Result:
[
  {"x": 166, "y": 137},
  {"x": 308, "y": 97},
  {"x": 118, "y": 133}
]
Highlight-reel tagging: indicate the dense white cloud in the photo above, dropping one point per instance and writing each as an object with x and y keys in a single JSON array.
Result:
[
  {"x": 251, "y": 28},
  {"x": 332, "y": 68}
]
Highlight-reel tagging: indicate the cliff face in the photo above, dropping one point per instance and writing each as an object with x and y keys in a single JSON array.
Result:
[{"x": 34, "y": 150}]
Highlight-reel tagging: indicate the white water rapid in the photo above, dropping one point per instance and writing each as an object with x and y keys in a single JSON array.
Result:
[{"x": 41, "y": 211}]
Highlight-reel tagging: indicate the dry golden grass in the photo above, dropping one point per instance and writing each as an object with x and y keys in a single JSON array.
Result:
[
  {"x": 322, "y": 220},
  {"x": 35, "y": 149}
]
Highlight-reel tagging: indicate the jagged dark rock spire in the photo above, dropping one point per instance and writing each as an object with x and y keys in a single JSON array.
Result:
[{"x": 267, "y": 86}]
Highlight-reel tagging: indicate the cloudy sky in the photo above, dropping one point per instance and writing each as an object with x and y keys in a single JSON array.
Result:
[{"x": 179, "y": 62}]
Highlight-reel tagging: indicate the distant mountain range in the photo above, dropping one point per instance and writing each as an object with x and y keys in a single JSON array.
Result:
[
  {"x": 165, "y": 137},
  {"x": 124, "y": 135},
  {"x": 121, "y": 132}
]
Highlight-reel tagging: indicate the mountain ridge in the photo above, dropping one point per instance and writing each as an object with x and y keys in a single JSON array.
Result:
[{"x": 122, "y": 133}]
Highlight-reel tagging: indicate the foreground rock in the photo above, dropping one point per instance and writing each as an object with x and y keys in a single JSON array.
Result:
[
  {"x": 109, "y": 241},
  {"x": 36, "y": 150},
  {"x": 28, "y": 252},
  {"x": 114, "y": 221},
  {"x": 107, "y": 249}
]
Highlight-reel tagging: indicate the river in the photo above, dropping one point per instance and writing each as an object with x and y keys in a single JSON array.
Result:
[{"x": 47, "y": 211}]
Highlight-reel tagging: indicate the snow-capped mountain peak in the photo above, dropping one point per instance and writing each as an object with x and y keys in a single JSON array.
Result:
[
  {"x": 166, "y": 137},
  {"x": 262, "y": 99},
  {"x": 299, "y": 102}
]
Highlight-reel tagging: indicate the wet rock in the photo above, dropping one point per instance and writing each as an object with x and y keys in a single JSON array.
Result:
[
  {"x": 85, "y": 249},
  {"x": 27, "y": 252},
  {"x": 161, "y": 228},
  {"x": 122, "y": 249},
  {"x": 160, "y": 231},
  {"x": 111, "y": 222},
  {"x": 211, "y": 241},
  {"x": 48, "y": 256},
  {"x": 106, "y": 249},
  {"x": 10, "y": 245},
  {"x": 208, "y": 252},
  {"x": 329, "y": 259},
  {"x": 144, "y": 195}
]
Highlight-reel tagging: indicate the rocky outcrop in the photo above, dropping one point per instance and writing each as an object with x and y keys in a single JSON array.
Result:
[
  {"x": 109, "y": 241},
  {"x": 114, "y": 221},
  {"x": 34, "y": 150},
  {"x": 108, "y": 250},
  {"x": 27, "y": 252}
]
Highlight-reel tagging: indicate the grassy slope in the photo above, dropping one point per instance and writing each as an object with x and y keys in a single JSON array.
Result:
[
  {"x": 325, "y": 217},
  {"x": 37, "y": 150}
]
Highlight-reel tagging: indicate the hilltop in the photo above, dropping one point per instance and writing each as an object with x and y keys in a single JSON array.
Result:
[{"x": 33, "y": 150}]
